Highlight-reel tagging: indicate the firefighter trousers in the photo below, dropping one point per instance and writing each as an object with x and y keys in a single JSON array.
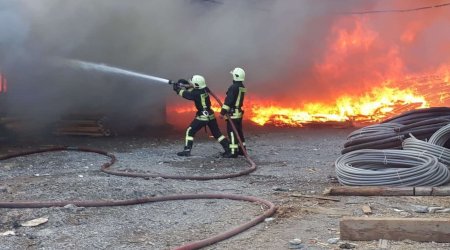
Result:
[{"x": 196, "y": 125}]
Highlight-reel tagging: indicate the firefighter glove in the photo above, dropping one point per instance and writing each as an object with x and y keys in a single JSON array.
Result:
[
  {"x": 176, "y": 87},
  {"x": 183, "y": 82}
]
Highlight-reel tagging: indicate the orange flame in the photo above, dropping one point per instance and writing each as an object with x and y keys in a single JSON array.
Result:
[{"x": 373, "y": 106}]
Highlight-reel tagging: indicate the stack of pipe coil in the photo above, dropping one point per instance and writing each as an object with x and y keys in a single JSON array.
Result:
[
  {"x": 390, "y": 167},
  {"x": 373, "y": 157},
  {"x": 390, "y": 133}
]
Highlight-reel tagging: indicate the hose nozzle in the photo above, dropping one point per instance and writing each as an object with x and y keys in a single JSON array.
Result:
[{"x": 180, "y": 84}]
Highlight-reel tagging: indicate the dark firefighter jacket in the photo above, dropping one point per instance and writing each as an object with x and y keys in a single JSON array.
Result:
[
  {"x": 201, "y": 100},
  {"x": 234, "y": 100}
]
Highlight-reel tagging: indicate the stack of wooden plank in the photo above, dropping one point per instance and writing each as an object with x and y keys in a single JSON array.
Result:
[
  {"x": 82, "y": 125},
  {"x": 11, "y": 123}
]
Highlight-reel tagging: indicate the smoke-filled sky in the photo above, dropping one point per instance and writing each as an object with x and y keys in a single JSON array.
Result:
[{"x": 285, "y": 46}]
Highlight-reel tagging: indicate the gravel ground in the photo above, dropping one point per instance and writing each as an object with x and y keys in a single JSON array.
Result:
[{"x": 290, "y": 161}]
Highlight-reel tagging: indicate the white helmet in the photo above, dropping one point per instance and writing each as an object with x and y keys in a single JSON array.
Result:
[
  {"x": 198, "y": 81},
  {"x": 238, "y": 74}
]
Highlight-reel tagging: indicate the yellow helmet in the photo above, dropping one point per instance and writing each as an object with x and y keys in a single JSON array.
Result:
[
  {"x": 238, "y": 74},
  {"x": 198, "y": 81}
]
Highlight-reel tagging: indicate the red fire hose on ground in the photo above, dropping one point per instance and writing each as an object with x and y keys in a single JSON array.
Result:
[{"x": 102, "y": 203}]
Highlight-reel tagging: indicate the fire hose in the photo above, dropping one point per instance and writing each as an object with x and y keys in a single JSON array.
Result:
[{"x": 271, "y": 208}]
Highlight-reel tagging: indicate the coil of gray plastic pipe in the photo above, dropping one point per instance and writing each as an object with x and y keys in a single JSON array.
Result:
[
  {"x": 441, "y": 136},
  {"x": 423, "y": 147},
  {"x": 391, "y": 135},
  {"x": 390, "y": 167},
  {"x": 434, "y": 146}
]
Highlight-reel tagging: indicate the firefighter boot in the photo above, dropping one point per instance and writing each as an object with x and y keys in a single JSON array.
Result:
[
  {"x": 226, "y": 146},
  {"x": 185, "y": 152}
]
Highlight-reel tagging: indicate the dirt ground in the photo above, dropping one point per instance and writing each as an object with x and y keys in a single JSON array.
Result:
[{"x": 290, "y": 161}]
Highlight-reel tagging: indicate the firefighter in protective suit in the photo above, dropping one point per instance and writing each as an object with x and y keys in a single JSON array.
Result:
[
  {"x": 233, "y": 107},
  {"x": 198, "y": 93}
]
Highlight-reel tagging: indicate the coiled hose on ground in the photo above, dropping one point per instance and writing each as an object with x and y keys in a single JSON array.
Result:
[
  {"x": 271, "y": 208},
  {"x": 390, "y": 167}
]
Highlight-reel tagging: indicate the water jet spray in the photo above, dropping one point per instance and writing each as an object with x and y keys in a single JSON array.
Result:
[{"x": 114, "y": 70}]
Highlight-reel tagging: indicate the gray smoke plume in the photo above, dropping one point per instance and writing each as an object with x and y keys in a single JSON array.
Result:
[{"x": 277, "y": 42}]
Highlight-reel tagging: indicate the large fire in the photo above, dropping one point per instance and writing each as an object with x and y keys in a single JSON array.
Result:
[
  {"x": 370, "y": 101},
  {"x": 376, "y": 104},
  {"x": 373, "y": 106}
]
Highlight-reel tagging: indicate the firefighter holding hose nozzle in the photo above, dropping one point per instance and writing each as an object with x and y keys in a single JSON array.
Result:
[
  {"x": 233, "y": 107},
  {"x": 195, "y": 90}
]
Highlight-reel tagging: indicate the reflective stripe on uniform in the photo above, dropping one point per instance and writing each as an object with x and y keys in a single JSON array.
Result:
[
  {"x": 188, "y": 137},
  {"x": 221, "y": 138},
  {"x": 203, "y": 99},
  {"x": 238, "y": 99},
  {"x": 201, "y": 118},
  {"x": 205, "y": 118},
  {"x": 181, "y": 92},
  {"x": 226, "y": 107},
  {"x": 233, "y": 145},
  {"x": 236, "y": 114}
]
